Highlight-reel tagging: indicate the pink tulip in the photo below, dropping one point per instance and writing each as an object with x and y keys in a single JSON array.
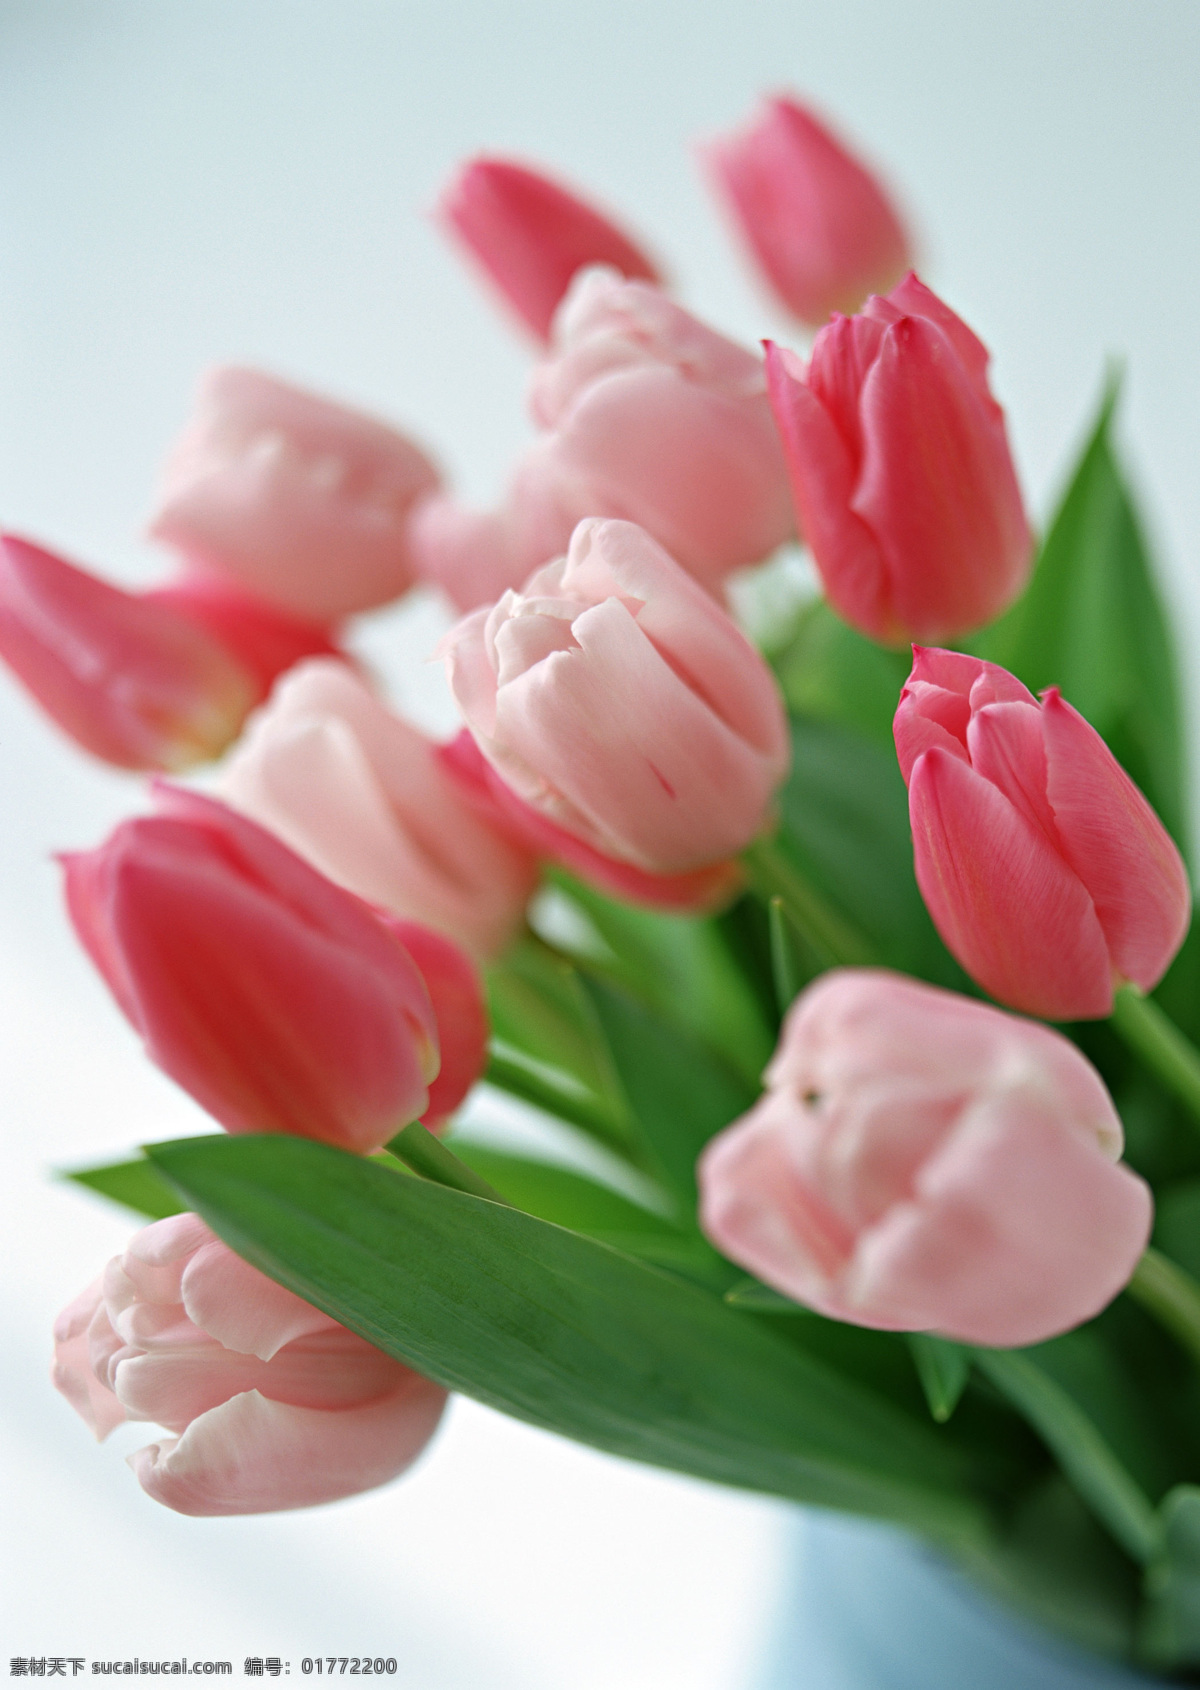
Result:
[
  {"x": 924, "y": 1162},
  {"x": 818, "y": 222},
  {"x": 142, "y": 684},
  {"x": 272, "y": 1403},
  {"x": 279, "y": 1001},
  {"x": 618, "y": 700},
  {"x": 298, "y": 499},
  {"x": 649, "y": 416},
  {"x": 1045, "y": 870},
  {"x": 365, "y": 798},
  {"x": 901, "y": 471},
  {"x": 498, "y": 805},
  {"x": 531, "y": 236}
]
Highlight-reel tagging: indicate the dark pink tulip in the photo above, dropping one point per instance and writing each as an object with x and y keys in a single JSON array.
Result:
[
  {"x": 1046, "y": 871},
  {"x": 456, "y": 993},
  {"x": 901, "y": 470},
  {"x": 279, "y": 1001},
  {"x": 265, "y": 640},
  {"x": 300, "y": 500},
  {"x": 141, "y": 683},
  {"x": 925, "y": 1162},
  {"x": 816, "y": 219},
  {"x": 270, "y": 1403},
  {"x": 531, "y": 235}
]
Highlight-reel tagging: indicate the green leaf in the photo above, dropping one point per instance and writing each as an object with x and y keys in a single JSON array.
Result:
[
  {"x": 1091, "y": 622},
  {"x": 1171, "y": 1628},
  {"x": 762, "y": 1299},
  {"x": 787, "y": 970},
  {"x": 830, "y": 673},
  {"x": 136, "y": 1185},
  {"x": 563, "y": 1332},
  {"x": 547, "y": 1048},
  {"x": 1082, "y": 1451},
  {"x": 943, "y": 1368},
  {"x": 844, "y": 813},
  {"x": 679, "y": 1091},
  {"x": 683, "y": 968}
]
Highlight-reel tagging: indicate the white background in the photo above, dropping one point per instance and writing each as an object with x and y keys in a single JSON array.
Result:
[{"x": 187, "y": 181}]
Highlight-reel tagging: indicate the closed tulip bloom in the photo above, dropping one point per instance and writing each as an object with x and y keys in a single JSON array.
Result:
[
  {"x": 617, "y": 699},
  {"x": 901, "y": 471},
  {"x": 139, "y": 683},
  {"x": 531, "y": 236},
  {"x": 924, "y": 1162},
  {"x": 281, "y": 1002},
  {"x": 364, "y": 797},
  {"x": 819, "y": 223},
  {"x": 273, "y": 1405},
  {"x": 648, "y": 416},
  {"x": 1044, "y": 868},
  {"x": 300, "y": 500}
]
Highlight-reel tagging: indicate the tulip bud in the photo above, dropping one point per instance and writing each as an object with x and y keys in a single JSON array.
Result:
[
  {"x": 924, "y": 1162},
  {"x": 531, "y": 236},
  {"x": 273, "y": 1404},
  {"x": 649, "y": 416},
  {"x": 141, "y": 683},
  {"x": 279, "y": 1001},
  {"x": 619, "y": 701},
  {"x": 364, "y": 797},
  {"x": 818, "y": 222},
  {"x": 1045, "y": 870},
  {"x": 901, "y": 471},
  {"x": 300, "y": 500}
]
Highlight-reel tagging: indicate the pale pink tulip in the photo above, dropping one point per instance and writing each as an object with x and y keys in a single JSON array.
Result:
[
  {"x": 365, "y": 798},
  {"x": 531, "y": 235},
  {"x": 299, "y": 499},
  {"x": 281, "y": 1002},
  {"x": 616, "y": 698},
  {"x": 901, "y": 471},
  {"x": 819, "y": 223},
  {"x": 925, "y": 1162},
  {"x": 649, "y": 416},
  {"x": 272, "y": 1403},
  {"x": 1045, "y": 870}
]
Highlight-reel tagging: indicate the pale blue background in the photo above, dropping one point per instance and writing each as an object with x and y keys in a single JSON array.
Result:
[{"x": 183, "y": 181}]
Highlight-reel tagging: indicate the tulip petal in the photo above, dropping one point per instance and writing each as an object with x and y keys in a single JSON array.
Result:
[
  {"x": 456, "y": 992},
  {"x": 937, "y": 483},
  {"x": 1019, "y": 1229},
  {"x": 1006, "y": 746},
  {"x": 822, "y": 471},
  {"x": 532, "y": 236},
  {"x": 72, "y": 1372},
  {"x": 1007, "y": 906},
  {"x": 1116, "y": 845},
  {"x": 297, "y": 498},
  {"x": 240, "y": 1307},
  {"x": 255, "y": 1456},
  {"x": 134, "y": 681}
]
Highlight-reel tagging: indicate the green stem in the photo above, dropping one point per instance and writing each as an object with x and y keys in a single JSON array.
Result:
[
  {"x": 1160, "y": 1044},
  {"x": 828, "y": 934},
  {"x": 419, "y": 1150},
  {"x": 1172, "y": 1296}
]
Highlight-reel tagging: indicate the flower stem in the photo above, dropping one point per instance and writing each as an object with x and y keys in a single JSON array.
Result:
[
  {"x": 1158, "y": 1041},
  {"x": 832, "y": 939},
  {"x": 1172, "y": 1296},
  {"x": 417, "y": 1147}
]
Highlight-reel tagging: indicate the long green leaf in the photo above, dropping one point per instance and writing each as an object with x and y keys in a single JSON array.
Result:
[
  {"x": 1092, "y": 623},
  {"x": 1083, "y": 1453},
  {"x": 136, "y": 1185},
  {"x": 1171, "y": 1629},
  {"x": 563, "y": 1332},
  {"x": 679, "y": 1091},
  {"x": 844, "y": 813}
]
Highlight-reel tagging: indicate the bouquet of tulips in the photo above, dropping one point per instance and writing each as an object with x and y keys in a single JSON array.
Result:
[{"x": 767, "y": 911}]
